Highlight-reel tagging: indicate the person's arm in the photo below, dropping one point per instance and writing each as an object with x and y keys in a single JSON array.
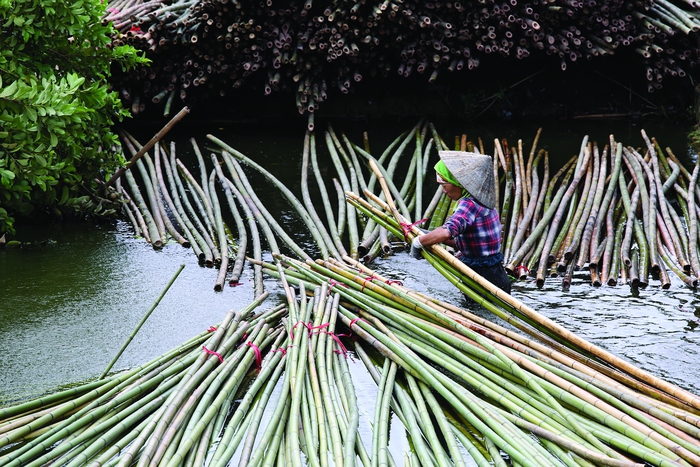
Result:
[{"x": 439, "y": 235}]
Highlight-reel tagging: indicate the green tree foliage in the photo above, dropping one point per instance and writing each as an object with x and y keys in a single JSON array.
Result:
[{"x": 56, "y": 108}]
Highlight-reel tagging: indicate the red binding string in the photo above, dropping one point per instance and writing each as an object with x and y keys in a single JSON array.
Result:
[
  {"x": 258, "y": 354},
  {"x": 234, "y": 283},
  {"x": 212, "y": 329},
  {"x": 366, "y": 280},
  {"x": 407, "y": 227},
  {"x": 391, "y": 281},
  {"x": 333, "y": 284},
  {"x": 281, "y": 349},
  {"x": 211, "y": 352},
  {"x": 355, "y": 320},
  {"x": 343, "y": 350},
  {"x": 306, "y": 325}
]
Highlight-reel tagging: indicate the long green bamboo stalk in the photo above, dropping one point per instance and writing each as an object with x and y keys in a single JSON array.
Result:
[
  {"x": 313, "y": 229},
  {"x": 237, "y": 269}
]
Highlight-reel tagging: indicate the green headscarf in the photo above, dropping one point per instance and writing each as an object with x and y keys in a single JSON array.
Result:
[
  {"x": 446, "y": 175},
  {"x": 441, "y": 169}
]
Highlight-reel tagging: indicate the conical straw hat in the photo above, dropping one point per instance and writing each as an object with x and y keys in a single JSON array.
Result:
[{"x": 475, "y": 172}]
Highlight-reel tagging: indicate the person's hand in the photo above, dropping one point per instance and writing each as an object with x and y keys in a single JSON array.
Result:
[{"x": 416, "y": 247}]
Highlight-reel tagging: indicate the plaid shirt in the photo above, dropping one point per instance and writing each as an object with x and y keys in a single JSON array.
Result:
[{"x": 476, "y": 229}]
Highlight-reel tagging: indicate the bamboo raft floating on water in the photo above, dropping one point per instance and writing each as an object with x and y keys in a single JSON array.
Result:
[
  {"x": 274, "y": 388},
  {"x": 623, "y": 215},
  {"x": 464, "y": 388}
]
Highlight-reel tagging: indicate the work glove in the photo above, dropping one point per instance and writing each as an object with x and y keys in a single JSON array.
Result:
[{"x": 416, "y": 247}]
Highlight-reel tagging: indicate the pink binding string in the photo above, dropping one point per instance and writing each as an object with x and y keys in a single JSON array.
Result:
[
  {"x": 407, "y": 227},
  {"x": 343, "y": 350},
  {"x": 281, "y": 349},
  {"x": 291, "y": 331},
  {"x": 234, "y": 283},
  {"x": 258, "y": 354},
  {"x": 211, "y": 352},
  {"x": 391, "y": 281},
  {"x": 212, "y": 329},
  {"x": 333, "y": 284},
  {"x": 366, "y": 280},
  {"x": 309, "y": 326}
]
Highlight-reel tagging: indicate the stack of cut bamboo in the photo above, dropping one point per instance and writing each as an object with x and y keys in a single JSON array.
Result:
[{"x": 279, "y": 387}]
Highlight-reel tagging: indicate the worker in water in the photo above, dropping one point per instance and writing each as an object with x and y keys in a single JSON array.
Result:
[{"x": 474, "y": 228}]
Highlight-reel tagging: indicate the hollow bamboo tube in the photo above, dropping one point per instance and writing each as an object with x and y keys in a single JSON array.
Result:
[
  {"x": 574, "y": 241},
  {"x": 186, "y": 239},
  {"x": 554, "y": 255},
  {"x": 313, "y": 229},
  {"x": 185, "y": 209},
  {"x": 347, "y": 184},
  {"x": 616, "y": 260},
  {"x": 612, "y": 185},
  {"x": 693, "y": 222},
  {"x": 333, "y": 244},
  {"x": 204, "y": 186},
  {"x": 141, "y": 227},
  {"x": 432, "y": 206},
  {"x": 651, "y": 223},
  {"x": 336, "y": 233},
  {"x": 342, "y": 217},
  {"x": 507, "y": 191},
  {"x": 636, "y": 171},
  {"x": 263, "y": 217},
  {"x": 143, "y": 320},
  {"x": 526, "y": 189},
  {"x": 148, "y": 185},
  {"x": 160, "y": 198},
  {"x": 638, "y": 233},
  {"x": 581, "y": 168},
  {"x": 535, "y": 202},
  {"x": 237, "y": 269},
  {"x": 153, "y": 231},
  {"x": 594, "y": 213},
  {"x": 496, "y": 179},
  {"x": 544, "y": 222},
  {"x": 221, "y": 231},
  {"x": 634, "y": 269},
  {"x": 204, "y": 207},
  {"x": 147, "y": 146},
  {"x": 609, "y": 244},
  {"x": 517, "y": 198}
]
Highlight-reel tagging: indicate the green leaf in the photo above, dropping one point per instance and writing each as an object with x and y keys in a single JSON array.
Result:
[
  {"x": 64, "y": 195},
  {"x": 8, "y": 91}
]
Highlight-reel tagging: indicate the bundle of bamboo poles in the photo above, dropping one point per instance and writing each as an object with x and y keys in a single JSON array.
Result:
[
  {"x": 621, "y": 214},
  {"x": 625, "y": 213},
  {"x": 464, "y": 389},
  {"x": 277, "y": 388},
  {"x": 205, "y": 48}
]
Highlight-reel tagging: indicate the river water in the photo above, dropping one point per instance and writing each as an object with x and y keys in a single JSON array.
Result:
[{"x": 70, "y": 299}]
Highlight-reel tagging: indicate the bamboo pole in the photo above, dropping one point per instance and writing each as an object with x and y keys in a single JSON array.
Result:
[
  {"x": 682, "y": 395},
  {"x": 184, "y": 111}
]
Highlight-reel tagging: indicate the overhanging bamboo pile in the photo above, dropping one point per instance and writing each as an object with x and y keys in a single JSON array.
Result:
[{"x": 205, "y": 48}]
